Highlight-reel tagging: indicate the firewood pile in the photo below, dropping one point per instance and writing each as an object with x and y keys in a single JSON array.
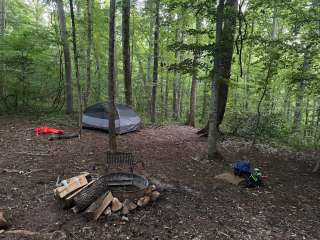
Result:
[{"x": 95, "y": 200}]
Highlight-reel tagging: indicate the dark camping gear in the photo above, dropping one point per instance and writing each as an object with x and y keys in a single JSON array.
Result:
[
  {"x": 253, "y": 178},
  {"x": 97, "y": 116}
]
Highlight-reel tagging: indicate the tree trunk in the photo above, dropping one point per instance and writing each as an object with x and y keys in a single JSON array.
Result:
[
  {"x": 193, "y": 93},
  {"x": 76, "y": 63},
  {"x": 67, "y": 59},
  {"x": 175, "y": 104},
  {"x": 126, "y": 51},
  {"x": 166, "y": 97},
  {"x": 155, "y": 62},
  {"x": 2, "y": 16},
  {"x": 225, "y": 29},
  {"x": 111, "y": 79},
  {"x": 229, "y": 26},
  {"x": 204, "y": 103},
  {"x": 300, "y": 94},
  {"x": 98, "y": 74},
  {"x": 2, "y": 30},
  {"x": 89, "y": 47}
]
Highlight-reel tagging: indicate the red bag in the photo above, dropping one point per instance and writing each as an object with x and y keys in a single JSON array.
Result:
[{"x": 46, "y": 130}]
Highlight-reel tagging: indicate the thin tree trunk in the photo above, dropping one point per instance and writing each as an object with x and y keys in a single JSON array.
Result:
[
  {"x": 67, "y": 59},
  {"x": 98, "y": 73},
  {"x": 155, "y": 62},
  {"x": 204, "y": 103},
  {"x": 126, "y": 51},
  {"x": 193, "y": 92},
  {"x": 175, "y": 112},
  {"x": 76, "y": 63},
  {"x": 111, "y": 79},
  {"x": 2, "y": 16},
  {"x": 2, "y": 30},
  {"x": 89, "y": 47},
  {"x": 166, "y": 99},
  {"x": 300, "y": 94}
]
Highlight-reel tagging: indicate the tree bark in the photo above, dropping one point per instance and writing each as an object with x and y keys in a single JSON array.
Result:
[
  {"x": 2, "y": 16},
  {"x": 67, "y": 59},
  {"x": 98, "y": 74},
  {"x": 111, "y": 78},
  {"x": 166, "y": 97},
  {"x": 225, "y": 29},
  {"x": 126, "y": 51},
  {"x": 89, "y": 48},
  {"x": 193, "y": 92},
  {"x": 2, "y": 30},
  {"x": 300, "y": 94},
  {"x": 229, "y": 26},
  {"x": 155, "y": 62},
  {"x": 76, "y": 63},
  {"x": 175, "y": 104}
]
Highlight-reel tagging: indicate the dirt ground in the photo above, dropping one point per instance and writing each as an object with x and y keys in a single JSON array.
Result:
[{"x": 193, "y": 204}]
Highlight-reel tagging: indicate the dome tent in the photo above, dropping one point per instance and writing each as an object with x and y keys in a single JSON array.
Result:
[{"x": 97, "y": 116}]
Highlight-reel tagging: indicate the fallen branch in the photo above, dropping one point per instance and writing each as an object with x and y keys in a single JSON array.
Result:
[{"x": 34, "y": 154}]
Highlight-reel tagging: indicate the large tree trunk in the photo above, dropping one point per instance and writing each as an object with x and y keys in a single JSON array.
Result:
[
  {"x": 89, "y": 47},
  {"x": 126, "y": 51},
  {"x": 111, "y": 79},
  {"x": 155, "y": 62},
  {"x": 76, "y": 63},
  {"x": 229, "y": 27},
  {"x": 193, "y": 92},
  {"x": 66, "y": 52},
  {"x": 225, "y": 29}
]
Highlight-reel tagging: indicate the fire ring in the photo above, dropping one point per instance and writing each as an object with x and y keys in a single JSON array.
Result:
[{"x": 122, "y": 185}]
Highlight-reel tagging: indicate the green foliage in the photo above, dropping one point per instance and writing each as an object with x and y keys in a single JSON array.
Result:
[{"x": 274, "y": 40}]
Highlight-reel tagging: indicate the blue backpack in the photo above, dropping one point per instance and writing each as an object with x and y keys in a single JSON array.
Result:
[{"x": 242, "y": 168}]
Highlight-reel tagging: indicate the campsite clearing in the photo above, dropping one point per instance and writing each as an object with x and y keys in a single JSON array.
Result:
[{"x": 193, "y": 204}]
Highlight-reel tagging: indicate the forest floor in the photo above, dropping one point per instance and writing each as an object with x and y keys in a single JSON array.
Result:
[{"x": 194, "y": 205}]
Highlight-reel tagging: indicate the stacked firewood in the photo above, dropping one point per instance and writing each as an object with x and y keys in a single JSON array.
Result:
[{"x": 106, "y": 204}]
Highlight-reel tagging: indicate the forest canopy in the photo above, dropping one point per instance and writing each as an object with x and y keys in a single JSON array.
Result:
[{"x": 272, "y": 90}]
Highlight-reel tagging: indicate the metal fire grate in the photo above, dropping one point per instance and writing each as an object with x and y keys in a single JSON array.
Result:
[{"x": 121, "y": 160}]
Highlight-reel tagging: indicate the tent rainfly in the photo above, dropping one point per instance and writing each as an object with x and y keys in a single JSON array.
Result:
[{"x": 97, "y": 117}]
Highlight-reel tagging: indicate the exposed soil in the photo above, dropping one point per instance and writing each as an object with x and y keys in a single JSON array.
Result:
[{"x": 193, "y": 204}]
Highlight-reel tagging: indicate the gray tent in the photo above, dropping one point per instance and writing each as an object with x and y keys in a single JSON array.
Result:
[{"x": 97, "y": 116}]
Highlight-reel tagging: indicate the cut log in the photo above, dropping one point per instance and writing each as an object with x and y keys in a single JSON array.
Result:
[
  {"x": 65, "y": 136},
  {"x": 71, "y": 196},
  {"x": 105, "y": 202},
  {"x": 155, "y": 195},
  {"x": 3, "y": 222},
  {"x": 116, "y": 205},
  {"x": 68, "y": 201},
  {"x": 73, "y": 185},
  {"x": 132, "y": 206},
  {"x": 125, "y": 208},
  {"x": 143, "y": 201},
  {"x": 89, "y": 213}
]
